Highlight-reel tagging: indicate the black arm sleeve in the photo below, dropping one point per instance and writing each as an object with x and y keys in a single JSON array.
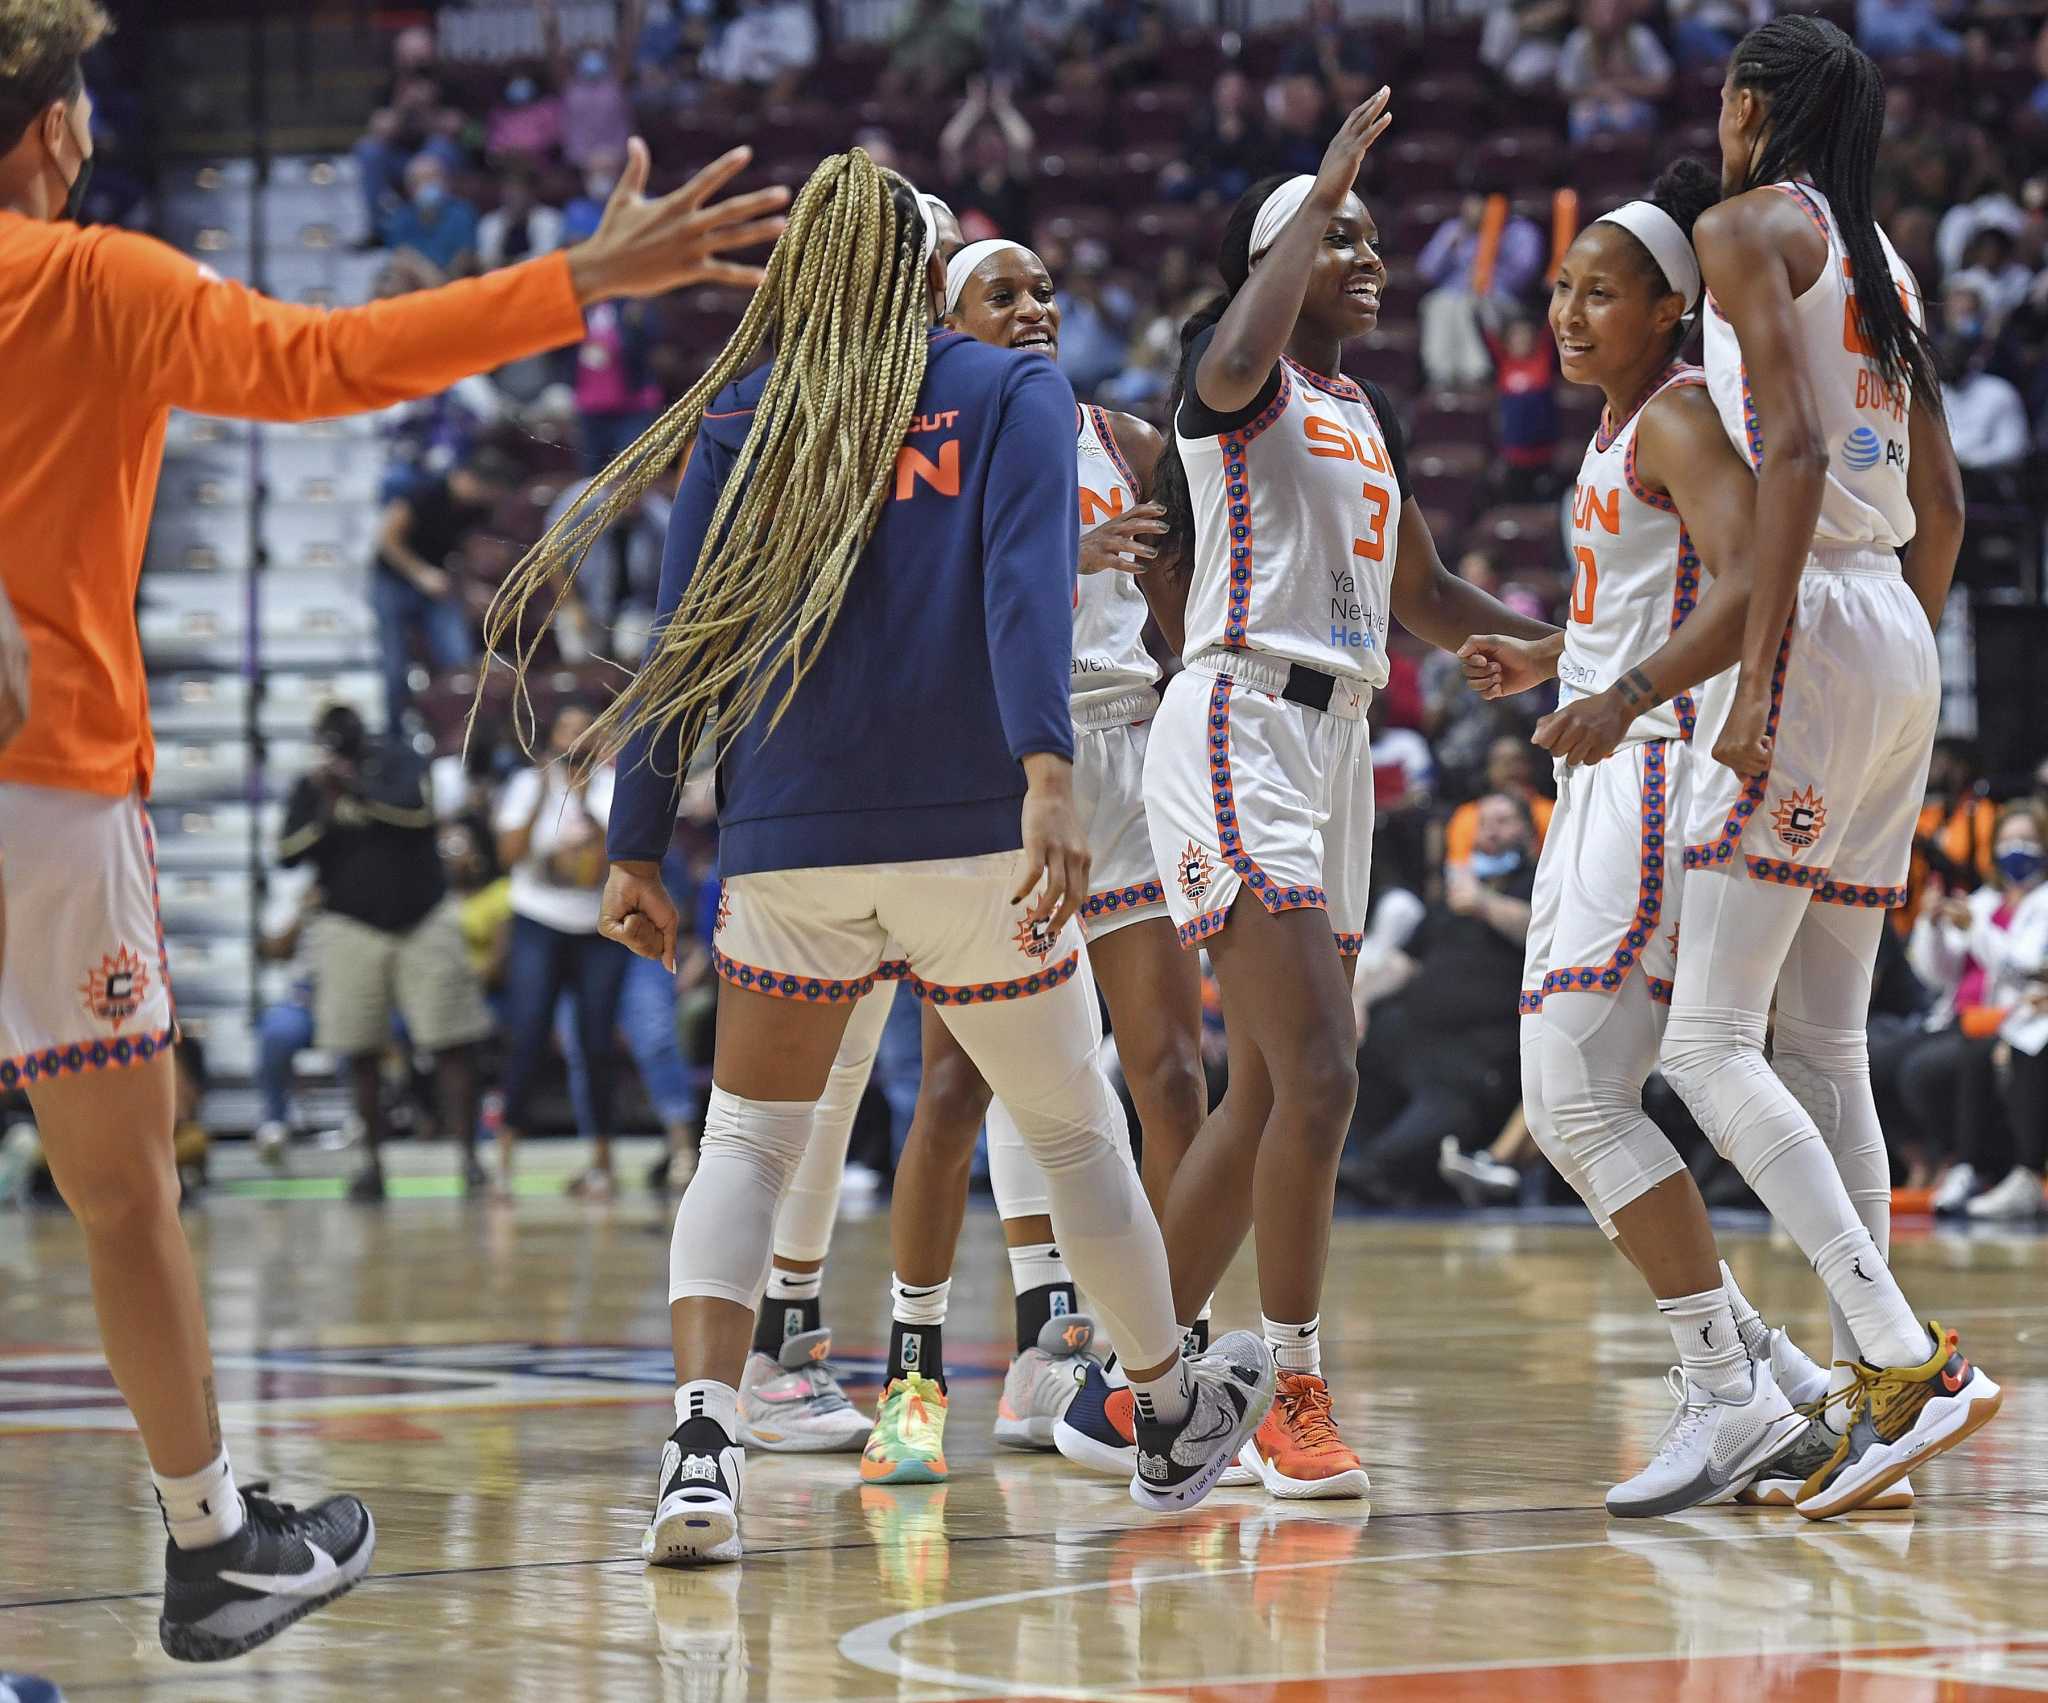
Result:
[
  {"x": 1197, "y": 421},
  {"x": 1396, "y": 433}
]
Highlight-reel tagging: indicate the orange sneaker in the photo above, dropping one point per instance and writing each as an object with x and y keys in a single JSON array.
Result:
[{"x": 1298, "y": 1451}]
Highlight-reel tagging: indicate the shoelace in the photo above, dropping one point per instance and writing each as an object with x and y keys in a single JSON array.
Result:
[
  {"x": 1308, "y": 1411},
  {"x": 259, "y": 1506},
  {"x": 1690, "y": 1416},
  {"x": 823, "y": 1378}
]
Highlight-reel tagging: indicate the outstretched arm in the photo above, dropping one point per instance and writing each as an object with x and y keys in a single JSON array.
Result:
[{"x": 1438, "y": 607}]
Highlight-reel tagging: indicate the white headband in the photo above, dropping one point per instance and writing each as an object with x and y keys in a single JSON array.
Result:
[
  {"x": 961, "y": 267},
  {"x": 930, "y": 221},
  {"x": 1276, "y": 210},
  {"x": 1657, "y": 231}
]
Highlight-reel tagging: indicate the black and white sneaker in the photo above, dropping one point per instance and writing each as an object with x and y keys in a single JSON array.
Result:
[
  {"x": 1233, "y": 1387},
  {"x": 226, "y": 1599},
  {"x": 697, "y": 1506}
]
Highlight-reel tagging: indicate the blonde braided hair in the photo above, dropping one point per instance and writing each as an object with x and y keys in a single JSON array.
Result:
[{"x": 847, "y": 307}]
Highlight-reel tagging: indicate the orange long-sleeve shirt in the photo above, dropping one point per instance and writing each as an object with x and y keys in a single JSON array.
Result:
[{"x": 102, "y": 334}]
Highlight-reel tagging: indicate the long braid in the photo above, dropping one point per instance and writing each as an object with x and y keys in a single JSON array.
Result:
[
  {"x": 1234, "y": 262},
  {"x": 1826, "y": 120},
  {"x": 845, "y": 304}
]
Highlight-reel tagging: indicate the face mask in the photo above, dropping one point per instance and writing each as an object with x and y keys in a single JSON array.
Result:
[
  {"x": 74, "y": 199},
  {"x": 1490, "y": 866},
  {"x": 429, "y": 196},
  {"x": 519, "y": 91},
  {"x": 2019, "y": 867},
  {"x": 598, "y": 186},
  {"x": 591, "y": 65}
]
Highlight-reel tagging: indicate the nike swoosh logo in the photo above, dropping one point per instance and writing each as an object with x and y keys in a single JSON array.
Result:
[{"x": 312, "y": 1582}]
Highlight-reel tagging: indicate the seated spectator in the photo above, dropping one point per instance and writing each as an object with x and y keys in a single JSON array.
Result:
[
  {"x": 584, "y": 211},
  {"x": 1613, "y": 71},
  {"x": 1525, "y": 379},
  {"x": 432, "y": 221},
  {"x": 1704, "y": 32},
  {"x": 519, "y": 227},
  {"x": 1223, "y": 151},
  {"x": 413, "y": 586},
  {"x": 1987, "y": 420},
  {"x": 987, "y": 164},
  {"x": 1338, "y": 57},
  {"x": 1116, "y": 45},
  {"x": 617, "y": 394},
  {"x": 525, "y": 125},
  {"x": 1522, "y": 40},
  {"x": 1446, "y": 1036},
  {"x": 1095, "y": 319},
  {"x": 1511, "y": 772},
  {"x": 387, "y": 940},
  {"x": 1487, "y": 253},
  {"x": 1901, "y": 29},
  {"x": 1987, "y": 203},
  {"x": 2023, "y": 1050},
  {"x": 937, "y": 45},
  {"x": 769, "y": 45},
  {"x": 1992, "y": 270},
  {"x": 1297, "y": 129},
  {"x": 550, "y": 824},
  {"x": 1952, "y": 840},
  {"x": 597, "y": 116}
]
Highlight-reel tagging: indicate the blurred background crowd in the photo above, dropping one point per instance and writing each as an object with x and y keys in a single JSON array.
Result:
[{"x": 419, "y": 911}]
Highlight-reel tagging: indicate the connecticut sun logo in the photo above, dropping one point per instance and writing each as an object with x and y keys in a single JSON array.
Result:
[
  {"x": 1799, "y": 818},
  {"x": 724, "y": 910},
  {"x": 114, "y": 991},
  {"x": 1034, "y": 939},
  {"x": 1194, "y": 872}
]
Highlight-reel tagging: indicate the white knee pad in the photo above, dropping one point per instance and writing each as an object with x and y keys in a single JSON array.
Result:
[
  {"x": 1828, "y": 1072},
  {"x": 1597, "y": 1050},
  {"x": 1536, "y": 1113},
  {"x": 1714, "y": 1061},
  {"x": 725, "y": 1225}
]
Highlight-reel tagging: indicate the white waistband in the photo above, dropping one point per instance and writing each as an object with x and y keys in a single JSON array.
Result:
[
  {"x": 1119, "y": 711},
  {"x": 1876, "y": 561},
  {"x": 1349, "y": 699}
]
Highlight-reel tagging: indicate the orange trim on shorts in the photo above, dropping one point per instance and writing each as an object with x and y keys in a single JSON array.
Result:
[
  {"x": 76, "y": 1056},
  {"x": 990, "y": 993},
  {"x": 780, "y": 984}
]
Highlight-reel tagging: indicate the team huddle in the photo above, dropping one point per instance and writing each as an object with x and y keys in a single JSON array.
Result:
[{"x": 1013, "y": 817}]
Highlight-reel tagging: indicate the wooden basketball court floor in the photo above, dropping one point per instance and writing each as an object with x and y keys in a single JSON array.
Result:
[{"x": 495, "y": 1381}]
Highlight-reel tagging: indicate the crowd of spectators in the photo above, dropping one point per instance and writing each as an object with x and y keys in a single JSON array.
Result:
[{"x": 1114, "y": 145}]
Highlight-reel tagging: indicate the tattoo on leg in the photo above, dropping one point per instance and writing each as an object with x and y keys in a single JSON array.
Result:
[{"x": 212, "y": 1416}]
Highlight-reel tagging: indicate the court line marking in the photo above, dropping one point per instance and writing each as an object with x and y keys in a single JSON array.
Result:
[{"x": 872, "y": 1644}]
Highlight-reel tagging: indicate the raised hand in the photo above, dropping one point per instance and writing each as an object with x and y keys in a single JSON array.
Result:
[
  {"x": 646, "y": 248},
  {"x": 1364, "y": 125}
]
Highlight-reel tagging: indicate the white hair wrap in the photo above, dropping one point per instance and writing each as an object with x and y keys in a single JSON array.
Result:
[
  {"x": 1658, "y": 231},
  {"x": 929, "y": 220},
  {"x": 1277, "y": 209},
  {"x": 961, "y": 267}
]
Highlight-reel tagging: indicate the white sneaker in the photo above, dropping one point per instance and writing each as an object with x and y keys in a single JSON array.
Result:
[
  {"x": 1803, "y": 1379},
  {"x": 2013, "y": 1200},
  {"x": 1241, "y": 1472},
  {"x": 701, "y": 1647},
  {"x": 1953, "y": 1193},
  {"x": 697, "y": 1506},
  {"x": 1041, "y": 1382},
  {"x": 1710, "y": 1448},
  {"x": 1479, "y": 1178},
  {"x": 795, "y": 1406},
  {"x": 271, "y": 1138}
]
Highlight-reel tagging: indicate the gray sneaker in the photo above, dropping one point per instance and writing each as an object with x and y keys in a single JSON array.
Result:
[
  {"x": 1041, "y": 1382},
  {"x": 1779, "y": 1479},
  {"x": 794, "y": 1405},
  {"x": 1233, "y": 1388},
  {"x": 1710, "y": 1447}
]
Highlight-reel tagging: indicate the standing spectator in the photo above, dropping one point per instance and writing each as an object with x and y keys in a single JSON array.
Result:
[
  {"x": 617, "y": 394},
  {"x": 1486, "y": 253},
  {"x": 650, "y": 1021},
  {"x": 1525, "y": 379},
  {"x": 413, "y": 585},
  {"x": 1901, "y": 29},
  {"x": 1510, "y": 773},
  {"x": 1223, "y": 151},
  {"x": 1521, "y": 41},
  {"x": 937, "y": 45},
  {"x": 526, "y": 125},
  {"x": 433, "y": 221},
  {"x": 770, "y": 45},
  {"x": 1987, "y": 420},
  {"x": 519, "y": 226},
  {"x": 1613, "y": 71},
  {"x": 986, "y": 161},
  {"x": 387, "y": 940},
  {"x": 550, "y": 826},
  {"x": 597, "y": 116},
  {"x": 285, "y": 1027}
]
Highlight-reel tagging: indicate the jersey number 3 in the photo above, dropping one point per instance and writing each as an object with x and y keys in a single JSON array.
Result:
[
  {"x": 1335, "y": 442},
  {"x": 1585, "y": 585}
]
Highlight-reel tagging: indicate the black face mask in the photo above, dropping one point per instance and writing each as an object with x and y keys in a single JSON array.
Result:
[{"x": 74, "y": 198}]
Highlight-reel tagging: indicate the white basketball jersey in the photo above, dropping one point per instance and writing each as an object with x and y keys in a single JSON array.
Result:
[
  {"x": 1110, "y": 658},
  {"x": 1296, "y": 519},
  {"x": 1863, "y": 417},
  {"x": 1637, "y": 575}
]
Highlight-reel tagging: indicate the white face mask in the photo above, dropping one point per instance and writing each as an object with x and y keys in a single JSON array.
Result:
[{"x": 598, "y": 186}]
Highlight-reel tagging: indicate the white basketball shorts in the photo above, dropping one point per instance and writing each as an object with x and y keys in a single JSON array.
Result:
[{"x": 1109, "y": 791}]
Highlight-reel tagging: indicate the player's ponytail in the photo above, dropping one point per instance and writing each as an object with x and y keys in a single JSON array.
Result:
[
  {"x": 1826, "y": 117},
  {"x": 1234, "y": 262}
]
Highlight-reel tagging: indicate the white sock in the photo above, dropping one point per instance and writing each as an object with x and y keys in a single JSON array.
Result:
[
  {"x": 916, "y": 1303},
  {"x": 1036, "y": 1265},
  {"x": 1841, "y": 1376},
  {"x": 202, "y": 1509},
  {"x": 1709, "y": 1346},
  {"x": 1863, "y": 1287},
  {"x": 1296, "y": 1348},
  {"x": 707, "y": 1398},
  {"x": 1164, "y": 1400},
  {"x": 1749, "y": 1323},
  {"x": 794, "y": 1285}
]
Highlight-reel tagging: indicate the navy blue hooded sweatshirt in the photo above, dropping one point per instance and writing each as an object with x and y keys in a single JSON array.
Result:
[{"x": 951, "y": 657}]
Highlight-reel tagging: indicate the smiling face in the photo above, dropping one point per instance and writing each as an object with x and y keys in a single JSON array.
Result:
[
  {"x": 1607, "y": 312},
  {"x": 1008, "y": 301},
  {"x": 1348, "y": 278}
]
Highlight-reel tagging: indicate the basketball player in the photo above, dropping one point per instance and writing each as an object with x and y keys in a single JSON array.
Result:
[
  {"x": 999, "y": 293},
  {"x": 1799, "y": 836},
  {"x": 1287, "y": 482},
  {"x": 104, "y": 332},
  {"x": 868, "y": 583},
  {"x": 1660, "y": 494}
]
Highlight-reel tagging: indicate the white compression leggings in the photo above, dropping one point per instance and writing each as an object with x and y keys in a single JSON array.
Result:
[
  {"x": 1584, "y": 1061},
  {"x": 1038, "y": 1055}
]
